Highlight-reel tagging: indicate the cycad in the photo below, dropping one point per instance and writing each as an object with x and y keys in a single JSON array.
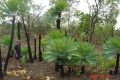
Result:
[
  {"x": 87, "y": 54},
  {"x": 61, "y": 48},
  {"x": 5, "y": 40},
  {"x": 110, "y": 49}
]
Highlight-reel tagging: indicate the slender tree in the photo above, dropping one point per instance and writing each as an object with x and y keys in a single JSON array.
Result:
[
  {"x": 10, "y": 47},
  {"x": 1, "y": 74},
  {"x": 40, "y": 52},
  {"x": 34, "y": 48},
  {"x": 11, "y": 8},
  {"x": 28, "y": 43},
  {"x": 19, "y": 37}
]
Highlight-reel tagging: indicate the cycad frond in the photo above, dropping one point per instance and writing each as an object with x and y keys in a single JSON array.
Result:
[
  {"x": 62, "y": 48},
  {"x": 111, "y": 47},
  {"x": 87, "y": 53}
]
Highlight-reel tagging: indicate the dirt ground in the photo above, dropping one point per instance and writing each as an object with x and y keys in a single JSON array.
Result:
[{"x": 45, "y": 71}]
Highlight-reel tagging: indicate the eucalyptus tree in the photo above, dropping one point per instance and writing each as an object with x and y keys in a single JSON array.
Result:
[
  {"x": 102, "y": 10},
  {"x": 12, "y": 8}
]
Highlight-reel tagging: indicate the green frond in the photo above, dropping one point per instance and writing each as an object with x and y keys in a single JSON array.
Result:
[
  {"x": 111, "y": 47},
  {"x": 5, "y": 40},
  {"x": 87, "y": 53},
  {"x": 63, "y": 48},
  {"x": 24, "y": 51}
]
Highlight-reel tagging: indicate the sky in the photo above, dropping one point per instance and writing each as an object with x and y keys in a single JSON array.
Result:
[{"x": 83, "y": 7}]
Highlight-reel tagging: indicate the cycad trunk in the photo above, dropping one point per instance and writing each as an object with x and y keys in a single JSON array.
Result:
[
  {"x": 58, "y": 21},
  {"x": 10, "y": 47},
  {"x": 82, "y": 69},
  {"x": 40, "y": 52},
  {"x": 1, "y": 75},
  {"x": 35, "y": 49},
  {"x": 117, "y": 64},
  {"x": 28, "y": 43},
  {"x": 62, "y": 70},
  {"x": 18, "y": 24}
]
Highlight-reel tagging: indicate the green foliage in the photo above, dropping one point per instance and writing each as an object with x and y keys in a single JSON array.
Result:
[
  {"x": 78, "y": 72},
  {"x": 23, "y": 60},
  {"x": 111, "y": 47},
  {"x": 13, "y": 7},
  {"x": 104, "y": 64},
  {"x": 83, "y": 35},
  {"x": 60, "y": 6},
  {"x": 55, "y": 10},
  {"x": 5, "y": 40},
  {"x": 43, "y": 42},
  {"x": 55, "y": 34},
  {"x": 86, "y": 53},
  {"x": 60, "y": 48},
  {"x": 24, "y": 51}
]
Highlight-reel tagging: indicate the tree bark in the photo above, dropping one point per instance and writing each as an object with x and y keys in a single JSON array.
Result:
[
  {"x": 117, "y": 64},
  {"x": 35, "y": 49},
  {"x": 19, "y": 37},
  {"x": 10, "y": 47},
  {"x": 58, "y": 21},
  {"x": 62, "y": 70},
  {"x": 28, "y": 42},
  {"x": 83, "y": 69},
  {"x": 40, "y": 52},
  {"x": 1, "y": 74}
]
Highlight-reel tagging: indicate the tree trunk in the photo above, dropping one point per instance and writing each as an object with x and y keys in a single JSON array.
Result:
[
  {"x": 69, "y": 71},
  {"x": 58, "y": 21},
  {"x": 56, "y": 67},
  {"x": 35, "y": 49},
  {"x": 18, "y": 24},
  {"x": 62, "y": 70},
  {"x": 40, "y": 52},
  {"x": 12, "y": 53},
  {"x": 117, "y": 64},
  {"x": 10, "y": 47},
  {"x": 83, "y": 69},
  {"x": 28, "y": 43},
  {"x": 1, "y": 74},
  {"x": 28, "y": 26}
]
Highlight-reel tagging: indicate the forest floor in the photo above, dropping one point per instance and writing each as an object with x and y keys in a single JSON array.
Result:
[{"x": 45, "y": 71}]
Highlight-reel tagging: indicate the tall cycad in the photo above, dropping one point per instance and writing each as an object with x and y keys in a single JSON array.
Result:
[
  {"x": 11, "y": 8},
  {"x": 86, "y": 54},
  {"x": 112, "y": 48}
]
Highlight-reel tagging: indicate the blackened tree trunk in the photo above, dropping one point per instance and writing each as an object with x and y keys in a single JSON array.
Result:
[
  {"x": 69, "y": 71},
  {"x": 117, "y": 64},
  {"x": 56, "y": 67},
  {"x": 10, "y": 47},
  {"x": 82, "y": 69},
  {"x": 40, "y": 52},
  {"x": 28, "y": 43},
  {"x": 35, "y": 49},
  {"x": 62, "y": 70},
  {"x": 1, "y": 74},
  {"x": 58, "y": 21},
  {"x": 12, "y": 53},
  {"x": 19, "y": 37}
]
